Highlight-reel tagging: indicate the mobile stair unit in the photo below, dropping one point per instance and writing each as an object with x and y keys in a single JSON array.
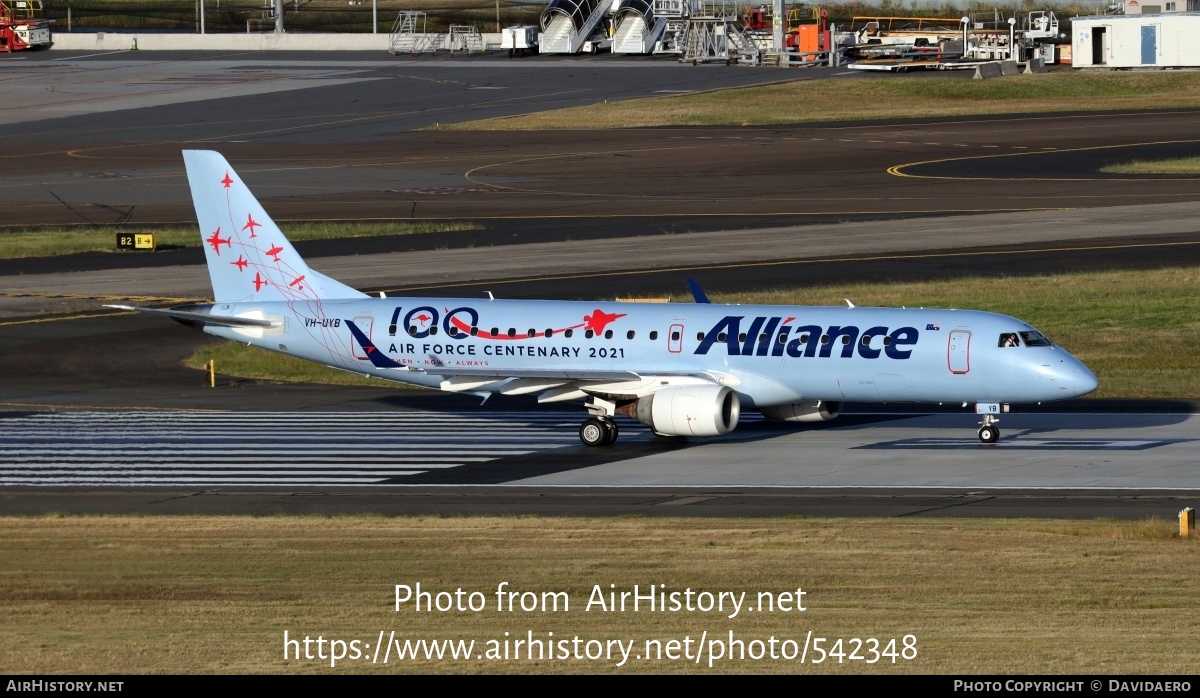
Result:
[
  {"x": 715, "y": 34},
  {"x": 636, "y": 27},
  {"x": 409, "y": 36},
  {"x": 568, "y": 24},
  {"x": 674, "y": 14}
]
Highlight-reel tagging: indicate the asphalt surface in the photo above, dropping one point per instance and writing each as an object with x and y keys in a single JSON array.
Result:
[
  {"x": 331, "y": 139},
  {"x": 96, "y": 139}
]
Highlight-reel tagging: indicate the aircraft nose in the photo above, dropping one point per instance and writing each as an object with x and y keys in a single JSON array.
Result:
[{"x": 1074, "y": 378}]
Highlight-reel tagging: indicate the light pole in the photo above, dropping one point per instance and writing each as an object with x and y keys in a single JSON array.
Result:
[
  {"x": 966, "y": 22},
  {"x": 1012, "y": 38}
]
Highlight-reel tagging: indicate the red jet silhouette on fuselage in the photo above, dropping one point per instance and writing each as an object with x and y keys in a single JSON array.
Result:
[{"x": 599, "y": 319}]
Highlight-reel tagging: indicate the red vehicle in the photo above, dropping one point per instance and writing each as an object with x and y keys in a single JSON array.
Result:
[
  {"x": 806, "y": 29},
  {"x": 20, "y": 29}
]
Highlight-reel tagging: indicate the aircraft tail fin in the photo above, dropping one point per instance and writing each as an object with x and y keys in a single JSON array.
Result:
[{"x": 249, "y": 259}]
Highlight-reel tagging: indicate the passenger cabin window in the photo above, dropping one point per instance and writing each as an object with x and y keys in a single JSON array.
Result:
[
  {"x": 412, "y": 330},
  {"x": 392, "y": 330},
  {"x": 866, "y": 340},
  {"x": 512, "y": 332},
  {"x": 532, "y": 332},
  {"x": 495, "y": 331},
  {"x": 453, "y": 331},
  {"x": 783, "y": 337},
  {"x": 845, "y": 339},
  {"x": 1008, "y": 339},
  {"x": 549, "y": 333},
  {"x": 629, "y": 334},
  {"x": 1035, "y": 339},
  {"x": 699, "y": 336},
  {"x": 589, "y": 334},
  {"x": 568, "y": 332},
  {"x": 474, "y": 331},
  {"x": 653, "y": 335},
  {"x": 721, "y": 336},
  {"x": 608, "y": 334},
  {"x": 824, "y": 339},
  {"x": 742, "y": 338},
  {"x": 674, "y": 336},
  {"x": 433, "y": 330}
]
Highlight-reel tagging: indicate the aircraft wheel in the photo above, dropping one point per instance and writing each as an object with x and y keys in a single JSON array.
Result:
[
  {"x": 593, "y": 432},
  {"x": 612, "y": 432},
  {"x": 989, "y": 434}
]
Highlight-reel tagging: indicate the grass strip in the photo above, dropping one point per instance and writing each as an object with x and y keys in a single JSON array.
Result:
[
  {"x": 1189, "y": 166},
  {"x": 90, "y": 595},
  {"x": 243, "y": 361},
  {"x": 49, "y": 243},
  {"x": 1137, "y": 330},
  {"x": 873, "y": 98}
]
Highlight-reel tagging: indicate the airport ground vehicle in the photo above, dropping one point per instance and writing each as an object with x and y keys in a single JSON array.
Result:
[{"x": 20, "y": 29}]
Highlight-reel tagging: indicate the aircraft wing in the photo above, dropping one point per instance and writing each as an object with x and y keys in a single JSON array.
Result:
[{"x": 556, "y": 374}]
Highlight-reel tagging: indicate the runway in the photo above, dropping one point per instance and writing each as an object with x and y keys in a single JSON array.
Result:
[
  {"x": 522, "y": 463},
  {"x": 276, "y": 449},
  {"x": 103, "y": 418},
  {"x": 876, "y": 450}
]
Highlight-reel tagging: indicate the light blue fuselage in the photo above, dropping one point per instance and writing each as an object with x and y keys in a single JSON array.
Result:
[{"x": 777, "y": 354}]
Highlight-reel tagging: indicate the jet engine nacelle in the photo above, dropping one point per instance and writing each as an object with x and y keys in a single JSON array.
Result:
[
  {"x": 807, "y": 411},
  {"x": 688, "y": 410}
]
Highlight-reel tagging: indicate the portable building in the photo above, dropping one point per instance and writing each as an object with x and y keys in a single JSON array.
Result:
[
  {"x": 1153, "y": 7},
  {"x": 1136, "y": 41}
]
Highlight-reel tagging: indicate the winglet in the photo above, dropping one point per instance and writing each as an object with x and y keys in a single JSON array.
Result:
[{"x": 697, "y": 292}]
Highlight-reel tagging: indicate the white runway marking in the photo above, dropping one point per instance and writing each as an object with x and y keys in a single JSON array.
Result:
[{"x": 263, "y": 449}]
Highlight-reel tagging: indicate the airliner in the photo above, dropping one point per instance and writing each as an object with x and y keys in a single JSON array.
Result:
[{"x": 683, "y": 369}]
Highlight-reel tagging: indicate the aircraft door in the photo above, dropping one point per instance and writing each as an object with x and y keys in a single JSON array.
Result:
[
  {"x": 675, "y": 339},
  {"x": 958, "y": 351},
  {"x": 364, "y": 323}
]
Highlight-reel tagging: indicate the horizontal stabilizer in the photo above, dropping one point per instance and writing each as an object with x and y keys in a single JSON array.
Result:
[{"x": 188, "y": 316}]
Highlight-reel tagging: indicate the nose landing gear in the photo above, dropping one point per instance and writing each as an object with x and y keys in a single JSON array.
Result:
[{"x": 988, "y": 432}]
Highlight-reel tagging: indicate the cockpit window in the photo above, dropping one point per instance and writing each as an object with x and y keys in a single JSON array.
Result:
[
  {"x": 1009, "y": 339},
  {"x": 1035, "y": 339}
]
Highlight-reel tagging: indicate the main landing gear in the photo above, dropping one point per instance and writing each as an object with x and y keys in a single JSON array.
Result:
[
  {"x": 988, "y": 432},
  {"x": 600, "y": 429}
]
